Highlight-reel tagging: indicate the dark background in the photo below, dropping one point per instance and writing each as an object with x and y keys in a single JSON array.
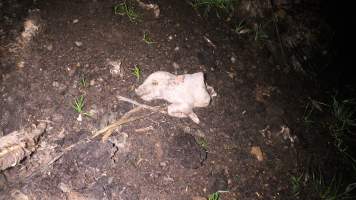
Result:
[{"x": 341, "y": 17}]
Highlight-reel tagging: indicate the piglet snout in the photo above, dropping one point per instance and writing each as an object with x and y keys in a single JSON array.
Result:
[
  {"x": 144, "y": 93},
  {"x": 140, "y": 91}
]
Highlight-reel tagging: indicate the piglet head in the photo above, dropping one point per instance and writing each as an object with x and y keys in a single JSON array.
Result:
[{"x": 154, "y": 86}]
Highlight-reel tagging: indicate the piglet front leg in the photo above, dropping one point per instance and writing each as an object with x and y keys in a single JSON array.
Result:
[{"x": 182, "y": 110}]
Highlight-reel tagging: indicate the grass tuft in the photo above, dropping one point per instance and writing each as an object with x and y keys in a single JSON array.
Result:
[
  {"x": 147, "y": 39},
  {"x": 296, "y": 185},
  {"x": 83, "y": 82},
  {"x": 128, "y": 10},
  {"x": 336, "y": 121},
  {"x": 260, "y": 33},
  {"x": 137, "y": 72},
  {"x": 241, "y": 28},
  {"x": 202, "y": 143},
  {"x": 214, "y": 196},
  {"x": 314, "y": 185},
  {"x": 79, "y": 104},
  {"x": 331, "y": 189},
  {"x": 220, "y": 7},
  {"x": 342, "y": 123}
]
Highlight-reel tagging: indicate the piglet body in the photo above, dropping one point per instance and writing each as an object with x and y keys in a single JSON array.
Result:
[{"x": 184, "y": 92}]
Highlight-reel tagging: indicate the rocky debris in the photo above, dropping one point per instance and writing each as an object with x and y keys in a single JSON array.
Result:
[
  {"x": 257, "y": 152},
  {"x": 120, "y": 141},
  {"x": 31, "y": 27},
  {"x": 285, "y": 132},
  {"x": 264, "y": 92},
  {"x": 150, "y": 6},
  {"x": 30, "y": 30},
  {"x": 17, "y": 145},
  {"x": 116, "y": 68}
]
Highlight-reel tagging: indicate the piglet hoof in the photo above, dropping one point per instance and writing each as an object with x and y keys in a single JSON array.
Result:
[{"x": 194, "y": 118}]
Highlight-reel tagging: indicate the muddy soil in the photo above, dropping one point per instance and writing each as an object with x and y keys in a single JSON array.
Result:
[{"x": 244, "y": 145}]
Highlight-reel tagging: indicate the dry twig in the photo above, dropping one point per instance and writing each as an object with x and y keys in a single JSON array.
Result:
[{"x": 107, "y": 131}]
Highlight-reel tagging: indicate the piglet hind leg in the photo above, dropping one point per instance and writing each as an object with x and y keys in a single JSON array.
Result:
[
  {"x": 194, "y": 117},
  {"x": 182, "y": 110},
  {"x": 178, "y": 110}
]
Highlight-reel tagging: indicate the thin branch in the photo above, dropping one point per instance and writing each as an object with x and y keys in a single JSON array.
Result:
[{"x": 156, "y": 109}]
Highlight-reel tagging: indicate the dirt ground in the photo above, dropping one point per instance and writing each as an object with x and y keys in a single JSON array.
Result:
[{"x": 244, "y": 146}]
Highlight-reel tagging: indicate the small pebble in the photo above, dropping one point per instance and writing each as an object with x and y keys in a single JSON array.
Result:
[
  {"x": 175, "y": 65},
  {"x": 49, "y": 47},
  {"x": 79, "y": 44},
  {"x": 233, "y": 59},
  {"x": 92, "y": 82},
  {"x": 79, "y": 118},
  {"x": 21, "y": 64},
  {"x": 55, "y": 84},
  {"x": 162, "y": 164}
]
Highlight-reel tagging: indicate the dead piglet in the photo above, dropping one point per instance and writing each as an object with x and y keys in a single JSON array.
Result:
[{"x": 184, "y": 92}]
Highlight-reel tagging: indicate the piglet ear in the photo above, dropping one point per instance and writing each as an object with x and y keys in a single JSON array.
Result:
[{"x": 194, "y": 118}]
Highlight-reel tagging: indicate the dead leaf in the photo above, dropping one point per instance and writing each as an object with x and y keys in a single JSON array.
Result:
[{"x": 257, "y": 152}]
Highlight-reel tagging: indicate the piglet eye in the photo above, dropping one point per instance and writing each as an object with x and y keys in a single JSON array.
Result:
[{"x": 154, "y": 83}]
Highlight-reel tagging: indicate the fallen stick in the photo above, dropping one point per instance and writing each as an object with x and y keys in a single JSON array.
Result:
[
  {"x": 118, "y": 123},
  {"x": 107, "y": 131},
  {"x": 209, "y": 41},
  {"x": 157, "y": 109}
]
